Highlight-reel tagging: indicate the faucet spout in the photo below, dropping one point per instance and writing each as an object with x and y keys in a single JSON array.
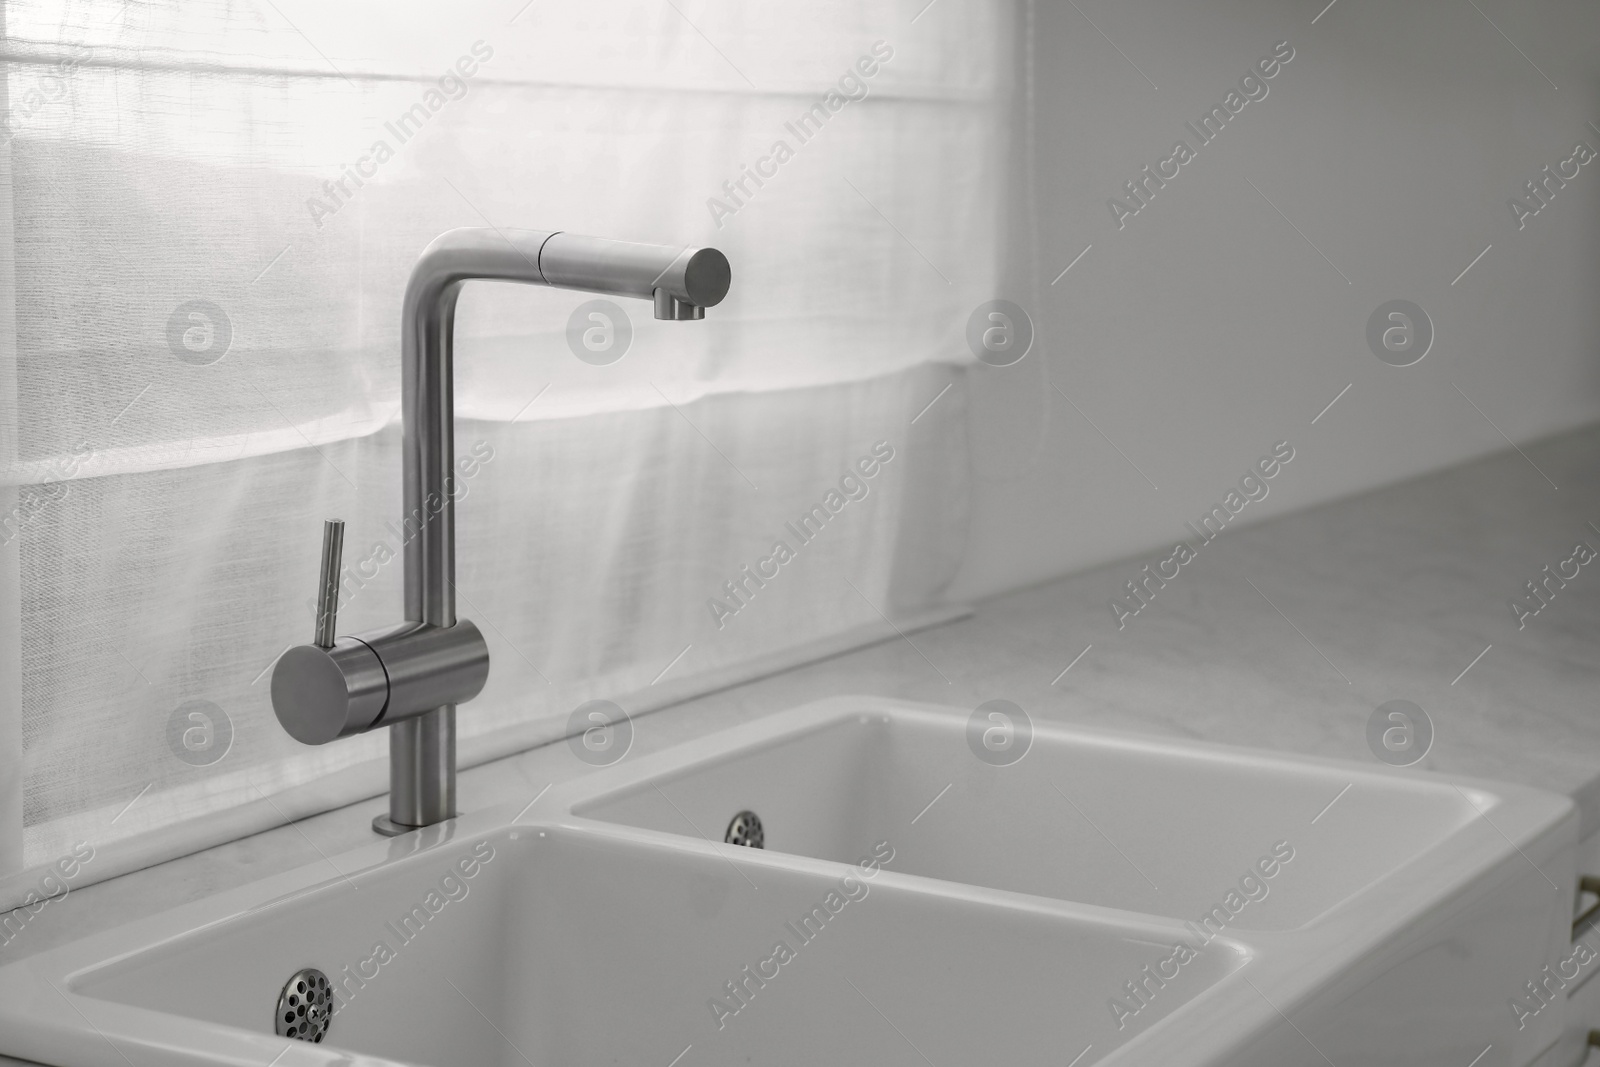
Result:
[{"x": 433, "y": 661}]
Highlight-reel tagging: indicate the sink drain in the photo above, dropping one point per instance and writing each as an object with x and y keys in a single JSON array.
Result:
[
  {"x": 745, "y": 829},
  {"x": 305, "y": 1006}
]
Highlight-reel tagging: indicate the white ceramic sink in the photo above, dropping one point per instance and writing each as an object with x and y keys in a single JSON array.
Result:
[{"x": 1001, "y": 924}]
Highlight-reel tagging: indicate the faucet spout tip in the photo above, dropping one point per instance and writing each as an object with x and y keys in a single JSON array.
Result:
[
  {"x": 703, "y": 283},
  {"x": 670, "y": 307}
]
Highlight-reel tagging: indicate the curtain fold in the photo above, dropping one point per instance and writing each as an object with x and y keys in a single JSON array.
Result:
[
  {"x": 12, "y": 518},
  {"x": 215, "y": 210}
]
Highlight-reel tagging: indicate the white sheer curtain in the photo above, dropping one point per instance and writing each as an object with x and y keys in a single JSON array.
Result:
[{"x": 202, "y": 254}]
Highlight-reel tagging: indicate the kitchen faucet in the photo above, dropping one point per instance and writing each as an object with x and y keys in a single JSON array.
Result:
[{"x": 410, "y": 677}]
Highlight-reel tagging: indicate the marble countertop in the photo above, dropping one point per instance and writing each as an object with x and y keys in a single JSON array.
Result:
[{"x": 1286, "y": 635}]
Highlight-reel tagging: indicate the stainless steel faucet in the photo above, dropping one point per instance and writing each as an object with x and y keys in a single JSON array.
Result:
[{"x": 410, "y": 677}]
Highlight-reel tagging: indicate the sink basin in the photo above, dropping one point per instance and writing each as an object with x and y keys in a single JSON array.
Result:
[
  {"x": 1157, "y": 828},
  {"x": 571, "y": 946},
  {"x": 1104, "y": 900}
]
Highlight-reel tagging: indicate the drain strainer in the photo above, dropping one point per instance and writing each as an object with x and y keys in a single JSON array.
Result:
[
  {"x": 305, "y": 1006},
  {"x": 745, "y": 829}
]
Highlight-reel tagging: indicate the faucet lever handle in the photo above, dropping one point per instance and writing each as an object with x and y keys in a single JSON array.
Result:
[{"x": 328, "y": 586}]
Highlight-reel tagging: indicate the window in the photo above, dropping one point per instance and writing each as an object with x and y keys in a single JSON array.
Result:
[{"x": 213, "y": 208}]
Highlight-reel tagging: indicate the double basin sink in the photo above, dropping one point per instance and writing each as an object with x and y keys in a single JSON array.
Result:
[{"x": 922, "y": 899}]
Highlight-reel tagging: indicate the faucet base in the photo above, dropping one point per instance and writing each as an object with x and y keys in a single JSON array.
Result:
[{"x": 383, "y": 824}]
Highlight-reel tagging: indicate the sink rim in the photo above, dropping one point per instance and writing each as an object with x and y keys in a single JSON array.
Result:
[{"x": 781, "y": 727}]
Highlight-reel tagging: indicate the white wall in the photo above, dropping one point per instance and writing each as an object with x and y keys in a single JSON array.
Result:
[{"x": 1207, "y": 329}]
